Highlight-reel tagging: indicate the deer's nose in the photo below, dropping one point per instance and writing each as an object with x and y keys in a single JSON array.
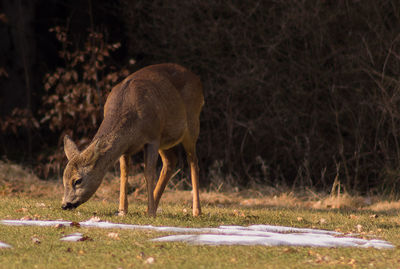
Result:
[{"x": 68, "y": 206}]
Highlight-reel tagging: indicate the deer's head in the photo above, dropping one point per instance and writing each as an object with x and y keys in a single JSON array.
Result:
[{"x": 81, "y": 175}]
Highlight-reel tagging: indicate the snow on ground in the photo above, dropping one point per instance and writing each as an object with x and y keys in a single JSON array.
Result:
[
  {"x": 4, "y": 245},
  {"x": 266, "y": 235},
  {"x": 72, "y": 237}
]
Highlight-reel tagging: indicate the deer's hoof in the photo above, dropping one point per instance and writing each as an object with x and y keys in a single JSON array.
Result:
[
  {"x": 196, "y": 212},
  {"x": 121, "y": 213},
  {"x": 151, "y": 214}
]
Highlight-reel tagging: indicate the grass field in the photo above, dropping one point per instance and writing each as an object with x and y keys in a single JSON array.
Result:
[{"x": 40, "y": 247}]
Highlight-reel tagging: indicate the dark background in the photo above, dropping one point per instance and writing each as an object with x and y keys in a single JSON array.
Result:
[{"x": 298, "y": 93}]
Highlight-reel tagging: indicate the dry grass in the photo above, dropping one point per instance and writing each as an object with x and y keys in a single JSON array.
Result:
[
  {"x": 16, "y": 180},
  {"x": 385, "y": 206}
]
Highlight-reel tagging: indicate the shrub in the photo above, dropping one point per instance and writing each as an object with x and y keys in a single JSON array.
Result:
[
  {"x": 298, "y": 93},
  {"x": 76, "y": 91}
]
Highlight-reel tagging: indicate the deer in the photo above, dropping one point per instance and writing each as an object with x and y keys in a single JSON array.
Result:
[{"x": 154, "y": 109}]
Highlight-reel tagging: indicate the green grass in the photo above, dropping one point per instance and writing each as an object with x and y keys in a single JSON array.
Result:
[{"x": 133, "y": 248}]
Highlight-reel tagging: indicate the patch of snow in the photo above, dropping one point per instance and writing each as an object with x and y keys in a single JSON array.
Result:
[
  {"x": 308, "y": 240},
  {"x": 283, "y": 229},
  {"x": 266, "y": 235},
  {"x": 35, "y": 222},
  {"x": 72, "y": 237},
  {"x": 4, "y": 245}
]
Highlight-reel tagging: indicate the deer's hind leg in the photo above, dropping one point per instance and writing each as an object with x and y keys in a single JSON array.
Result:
[
  {"x": 124, "y": 161},
  {"x": 169, "y": 161},
  {"x": 150, "y": 163},
  {"x": 189, "y": 143}
]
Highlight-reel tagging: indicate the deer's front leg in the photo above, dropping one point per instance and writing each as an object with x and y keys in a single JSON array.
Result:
[
  {"x": 123, "y": 197},
  {"x": 150, "y": 163}
]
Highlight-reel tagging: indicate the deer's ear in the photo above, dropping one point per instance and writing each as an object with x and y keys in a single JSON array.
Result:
[{"x": 70, "y": 148}]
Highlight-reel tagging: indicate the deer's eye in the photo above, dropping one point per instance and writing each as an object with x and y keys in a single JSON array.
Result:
[{"x": 77, "y": 182}]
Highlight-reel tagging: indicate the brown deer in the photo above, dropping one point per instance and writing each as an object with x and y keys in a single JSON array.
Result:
[{"x": 153, "y": 109}]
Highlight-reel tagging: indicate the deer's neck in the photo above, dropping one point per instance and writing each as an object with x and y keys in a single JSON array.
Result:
[{"x": 118, "y": 139}]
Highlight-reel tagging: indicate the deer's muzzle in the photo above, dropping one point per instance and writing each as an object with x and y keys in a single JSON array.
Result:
[{"x": 69, "y": 206}]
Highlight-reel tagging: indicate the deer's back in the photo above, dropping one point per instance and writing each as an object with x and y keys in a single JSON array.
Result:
[
  {"x": 159, "y": 100},
  {"x": 183, "y": 80}
]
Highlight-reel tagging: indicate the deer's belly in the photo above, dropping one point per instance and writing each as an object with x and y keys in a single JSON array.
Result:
[{"x": 172, "y": 135}]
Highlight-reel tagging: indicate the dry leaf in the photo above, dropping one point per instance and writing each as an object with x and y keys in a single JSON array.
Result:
[
  {"x": 26, "y": 218},
  {"x": 35, "y": 240},
  {"x": 23, "y": 209},
  {"x": 238, "y": 213},
  {"x": 113, "y": 235},
  {"x": 95, "y": 219},
  {"x": 149, "y": 260},
  {"x": 3, "y": 18},
  {"x": 359, "y": 228},
  {"x": 85, "y": 238},
  {"x": 352, "y": 261},
  {"x": 299, "y": 219},
  {"x": 59, "y": 225},
  {"x": 353, "y": 216},
  {"x": 322, "y": 221},
  {"x": 75, "y": 224},
  {"x": 373, "y": 216}
]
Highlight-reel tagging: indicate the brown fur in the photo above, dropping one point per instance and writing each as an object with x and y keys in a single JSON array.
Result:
[{"x": 153, "y": 109}]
